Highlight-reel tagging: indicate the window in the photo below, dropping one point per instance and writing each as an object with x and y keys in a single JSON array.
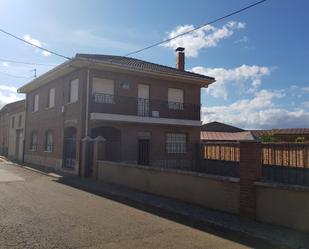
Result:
[
  {"x": 51, "y": 98},
  {"x": 103, "y": 90},
  {"x": 49, "y": 141},
  {"x": 13, "y": 122},
  {"x": 36, "y": 103},
  {"x": 176, "y": 143},
  {"x": 20, "y": 118},
  {"x": 73, "y": 97},
  {"x": 33, "y": 141},
  {"x": 175, "y": 98}
]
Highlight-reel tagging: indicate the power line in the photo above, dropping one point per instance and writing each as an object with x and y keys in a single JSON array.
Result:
[
  {"x": 29, "y": 43},
  {"x": 28, "y": 63},
  {"x": 199, "y": 27},
  {"x": 15, "y": 76}
]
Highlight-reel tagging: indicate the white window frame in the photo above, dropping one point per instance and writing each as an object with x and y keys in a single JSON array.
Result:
[
  {"x": 49, "y": 141},
  {"x": 176, "y": 143},
  {"x": 73, "y": 95},
  {"x": 51, "y": 97},
  {"x": 33, "y": 146}
]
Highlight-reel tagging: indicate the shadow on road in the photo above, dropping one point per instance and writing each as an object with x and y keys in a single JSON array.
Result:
[{"x": 123, "y": 195}]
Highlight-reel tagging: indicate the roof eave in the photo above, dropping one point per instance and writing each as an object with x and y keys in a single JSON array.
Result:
[{"x": 78, "y": 62}]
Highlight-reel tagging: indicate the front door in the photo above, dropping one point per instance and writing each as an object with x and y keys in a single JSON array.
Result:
[
  {"x": 143, "y": 151},
  {"x": 69, "y": 152},
  {"x": 143, "y": 100}
]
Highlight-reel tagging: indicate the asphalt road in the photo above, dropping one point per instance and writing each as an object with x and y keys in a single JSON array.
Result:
[{"x": 36, "y": 211}]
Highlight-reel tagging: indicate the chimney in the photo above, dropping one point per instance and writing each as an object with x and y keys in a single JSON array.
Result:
[{"x": 180, "y": 58}]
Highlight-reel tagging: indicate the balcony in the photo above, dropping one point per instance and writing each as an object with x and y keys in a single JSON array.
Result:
[{"x": 123, "y": 105}]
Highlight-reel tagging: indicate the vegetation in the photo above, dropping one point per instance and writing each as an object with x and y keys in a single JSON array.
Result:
[{"x": 268, "y": 138}]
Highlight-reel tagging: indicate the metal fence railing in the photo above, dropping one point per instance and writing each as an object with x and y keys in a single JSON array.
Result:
[
  {"x": 219, "y": 158},
  {"x": 281, "y": 162},
  {"x": 286, "y": 163}
]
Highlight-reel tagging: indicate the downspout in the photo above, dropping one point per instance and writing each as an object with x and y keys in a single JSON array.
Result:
[{"x": 87, "y": 103}]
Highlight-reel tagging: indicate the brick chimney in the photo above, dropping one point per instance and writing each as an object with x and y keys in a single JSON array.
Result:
[{"x": 180, "y": 58}]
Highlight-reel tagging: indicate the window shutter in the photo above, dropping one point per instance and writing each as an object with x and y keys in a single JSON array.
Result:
[
  {"x": 51, "y": 102},
  {"x": 175, "y": 95},
  {"x": 104, "y": 86},
  {"x": 36, "y": 103},
  {"x": 74, "y": 90}
]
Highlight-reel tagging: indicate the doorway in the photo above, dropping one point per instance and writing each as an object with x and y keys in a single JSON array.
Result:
[
  {"x": 143, "y": 151},
  {"x": 69, "y": 148},
  {"x": 143, "y": 100}
]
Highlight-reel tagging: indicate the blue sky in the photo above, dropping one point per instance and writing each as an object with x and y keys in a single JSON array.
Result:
[{"x": 260, "y": 57}]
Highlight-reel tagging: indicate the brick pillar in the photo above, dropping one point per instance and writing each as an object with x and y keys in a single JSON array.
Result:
[
  {"x": 99, "y": 144},
  {"x": 250, "y": 169},
  {"x": 84, "y": 155}
]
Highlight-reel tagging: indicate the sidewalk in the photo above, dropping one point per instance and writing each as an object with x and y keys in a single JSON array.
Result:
[{"x": 193, "y": 215}]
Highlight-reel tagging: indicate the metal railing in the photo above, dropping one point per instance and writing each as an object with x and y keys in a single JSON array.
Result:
[
  {"x": 286, "y": 163},
  {"x": 219, "y": 158},
  {"x": 114, "y": 104}
]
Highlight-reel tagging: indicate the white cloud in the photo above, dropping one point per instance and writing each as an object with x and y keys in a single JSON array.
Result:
[
  {"x": 8, "y": 88},
  {"x": 258, "y": 112},
  {"x": 244, "y": 39},
  {"x": 36, "y": 42},
  {"x": 236, "y": 76},
  {"x": 5, "y": 64},
  {"x": 7, "y": 95},
  {"x": 206, "y": 37}
]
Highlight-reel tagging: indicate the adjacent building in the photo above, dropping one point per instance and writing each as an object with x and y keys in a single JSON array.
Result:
[
  {"x": 12, "y": 123},
  {"x": 148, "y": 113}
]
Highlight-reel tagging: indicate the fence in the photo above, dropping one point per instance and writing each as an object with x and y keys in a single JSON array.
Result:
[
  {"x": 219, "y": 158},
  {"x": 286, "y": 163},
  {"x": 282, "y": 162}
]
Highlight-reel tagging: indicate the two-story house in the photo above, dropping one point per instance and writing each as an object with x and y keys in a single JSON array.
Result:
[{"x": 148, "y": 113}]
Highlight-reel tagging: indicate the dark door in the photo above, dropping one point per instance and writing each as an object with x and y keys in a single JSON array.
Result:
[
  {"x": 69, "y": 153},
  {"x": 143, "y": 151}
]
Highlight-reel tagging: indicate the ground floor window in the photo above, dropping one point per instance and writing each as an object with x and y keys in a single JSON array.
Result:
[
  {"x": 176, "y": 143},
  {"x": 49, "y": 141},
  {"x": 33, "y": 140}
]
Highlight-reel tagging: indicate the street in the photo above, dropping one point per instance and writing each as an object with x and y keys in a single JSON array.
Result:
[{"x": 36, "y": 211}]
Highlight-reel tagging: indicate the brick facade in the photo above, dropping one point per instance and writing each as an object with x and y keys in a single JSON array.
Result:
[{"x": 65, "y": 115}]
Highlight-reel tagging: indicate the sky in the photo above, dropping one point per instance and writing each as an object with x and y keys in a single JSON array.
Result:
[{"x": 260, "y": 58}]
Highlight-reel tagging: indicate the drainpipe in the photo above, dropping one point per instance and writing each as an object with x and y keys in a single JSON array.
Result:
[{"x": 87, "y": 103}]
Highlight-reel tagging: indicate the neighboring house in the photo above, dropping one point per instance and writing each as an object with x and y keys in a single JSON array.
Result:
[
  {"x": 148, "y": 113},
  {"x": 220, "y": 132},
  {"x": 12, "y": 121},
  {"x": 213, "y": 136},
  {"x": 283, "y": 135},
  {"x": 220, "y": 127}
]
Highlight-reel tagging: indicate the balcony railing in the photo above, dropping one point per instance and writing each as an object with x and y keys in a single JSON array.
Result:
[{"x": 114, "y": 104}]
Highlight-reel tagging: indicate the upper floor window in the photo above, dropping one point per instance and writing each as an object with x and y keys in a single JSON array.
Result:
[
  {"x": 36, "y": 103},
  {"x": 51, "y": 98},
  {"x": 103, "y": 90},
  {"x": 13, "y": 122},
  {"x": 73, "y": 94},
  {"x": 33, "y": 140},
  {"x": 20, "y": 118},
  {"x": 175, "y": 98},
  {"x": 48, "y": 141},
  {"x": 176, "y": 143}
]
